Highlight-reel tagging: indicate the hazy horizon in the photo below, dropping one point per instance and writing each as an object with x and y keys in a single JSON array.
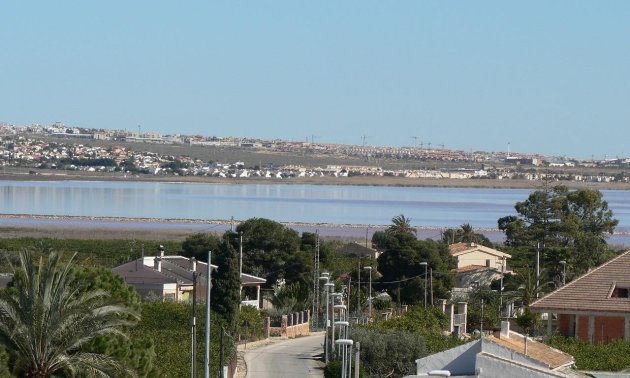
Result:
[{"x": 546, "y": 77}]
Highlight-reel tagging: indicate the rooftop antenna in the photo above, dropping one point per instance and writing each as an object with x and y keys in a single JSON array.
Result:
[{"x": 508, "y": 155}]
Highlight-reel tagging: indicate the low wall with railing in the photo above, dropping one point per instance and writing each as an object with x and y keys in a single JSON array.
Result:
[{"x": 292, "y": 325}]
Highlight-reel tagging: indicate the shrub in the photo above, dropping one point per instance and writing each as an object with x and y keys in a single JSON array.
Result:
[
  {"x": 386, "y": 351},
  {"x": 614, "y": 356},
  {"x": 251, "y": 325}
]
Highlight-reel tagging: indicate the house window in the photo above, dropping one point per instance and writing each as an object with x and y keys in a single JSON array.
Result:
[
  {"x": 620, "y": 292},
  {"x": 487, "y": 263}
]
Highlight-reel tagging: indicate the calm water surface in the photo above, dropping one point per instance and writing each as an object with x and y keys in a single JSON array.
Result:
[{"x": 361, "y": 205}]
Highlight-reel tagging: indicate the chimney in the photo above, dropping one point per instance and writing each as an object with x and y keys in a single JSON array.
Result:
[
  {"x": 505, "y": 329},
  {"x": 193, "y": 264},
  {"x": 157, "y": 263}
]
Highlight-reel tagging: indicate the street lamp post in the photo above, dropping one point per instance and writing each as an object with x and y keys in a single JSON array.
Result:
[
  {"x": 332, "y": 333},
  {"x": 328, "y": 287},
  {"x": 564, "y": 272},
  {"x": 345, "y": 344},
  {"x": 424, "y": 263},
  {"x": 369, "y": 291}
]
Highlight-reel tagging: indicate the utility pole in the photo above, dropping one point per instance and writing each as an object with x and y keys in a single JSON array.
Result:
[
  {"x": 240, "y": 264},
  {"x": 501, "y": 288},
  {"x": 193, "y": 325},
  {"x": 316, "y": 279},
  {"x": 221, "y": 354},
  {"x": 431, "y": 286},
  {"x": 369, "y": 291},
  {"x": 537, "y": 268},
  {"x": 359, "y": 312},
  {"x": 481, "y": 325},
  {"x": 206, "y": 362},
  {"x": 426, "y": 271},
  {"x": 357, "y": 360}
]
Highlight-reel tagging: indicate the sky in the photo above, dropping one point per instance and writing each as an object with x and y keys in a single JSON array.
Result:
[{"x": 550, "y": 77}]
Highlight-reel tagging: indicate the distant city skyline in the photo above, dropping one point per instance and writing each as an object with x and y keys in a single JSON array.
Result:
[{"x": 546, "y": 77}]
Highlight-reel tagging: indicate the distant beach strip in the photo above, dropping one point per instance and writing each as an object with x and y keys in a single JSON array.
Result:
[{"x": 182, "y": 227}]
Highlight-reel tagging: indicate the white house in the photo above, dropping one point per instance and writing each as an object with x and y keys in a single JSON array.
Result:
[{"x": 477, "y": 264}]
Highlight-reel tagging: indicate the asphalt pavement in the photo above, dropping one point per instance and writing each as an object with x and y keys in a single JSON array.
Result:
[{"x": 298, "y": 357}]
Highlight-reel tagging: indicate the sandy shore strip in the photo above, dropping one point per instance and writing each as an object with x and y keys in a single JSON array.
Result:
[{"x": 83, "y": 227}]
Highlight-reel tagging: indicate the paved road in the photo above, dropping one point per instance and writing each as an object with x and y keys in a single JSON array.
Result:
[{"x": 287, "y": 359}]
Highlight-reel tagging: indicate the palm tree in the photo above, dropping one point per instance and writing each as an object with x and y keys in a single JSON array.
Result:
[
  {"x": 401, "y": 225},
  {"x": 528, "y": 290},
  {"x": 467, "y": 233},
  {"x": 49, "y": 316}
]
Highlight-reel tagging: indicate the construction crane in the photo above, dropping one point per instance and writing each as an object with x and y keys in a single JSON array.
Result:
[
  {"x": 363, "y": 138},
  {"x": 415, "y": 138}
]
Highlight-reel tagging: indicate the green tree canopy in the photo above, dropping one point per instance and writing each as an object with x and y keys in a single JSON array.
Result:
[
  {"x": 267, "y": 245},
  {"x": 564, "y": 225},
  {"x": 401, "y": 261},
  {"x": 198, "y": 245}
]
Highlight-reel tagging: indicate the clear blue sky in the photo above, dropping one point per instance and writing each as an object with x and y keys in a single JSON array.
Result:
[{"x": 547, "y": 76}]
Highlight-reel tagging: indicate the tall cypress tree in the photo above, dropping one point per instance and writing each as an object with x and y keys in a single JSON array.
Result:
[{"x": 226, "y": 283}]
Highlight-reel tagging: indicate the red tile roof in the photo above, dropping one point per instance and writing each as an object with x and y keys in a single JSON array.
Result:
[
  {"x": 460, "y": 247},
  {"x": 591, "y": 292},
  {"x": 470, "y": 268}
]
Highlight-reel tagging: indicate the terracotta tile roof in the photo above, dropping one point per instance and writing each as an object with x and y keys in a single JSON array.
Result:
[
  {"x": 460, "y": 247},
  {"x": 543, "y": 353},
  {"x": 591, "y": 292},
  {"x": 470, "y": 268}
]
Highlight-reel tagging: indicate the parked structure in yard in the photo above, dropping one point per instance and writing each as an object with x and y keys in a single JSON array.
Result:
[
  {"x": 594, "y": 307},
  {"x": 171, "y": 278},
  {"x": 504, "y": 354}
]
